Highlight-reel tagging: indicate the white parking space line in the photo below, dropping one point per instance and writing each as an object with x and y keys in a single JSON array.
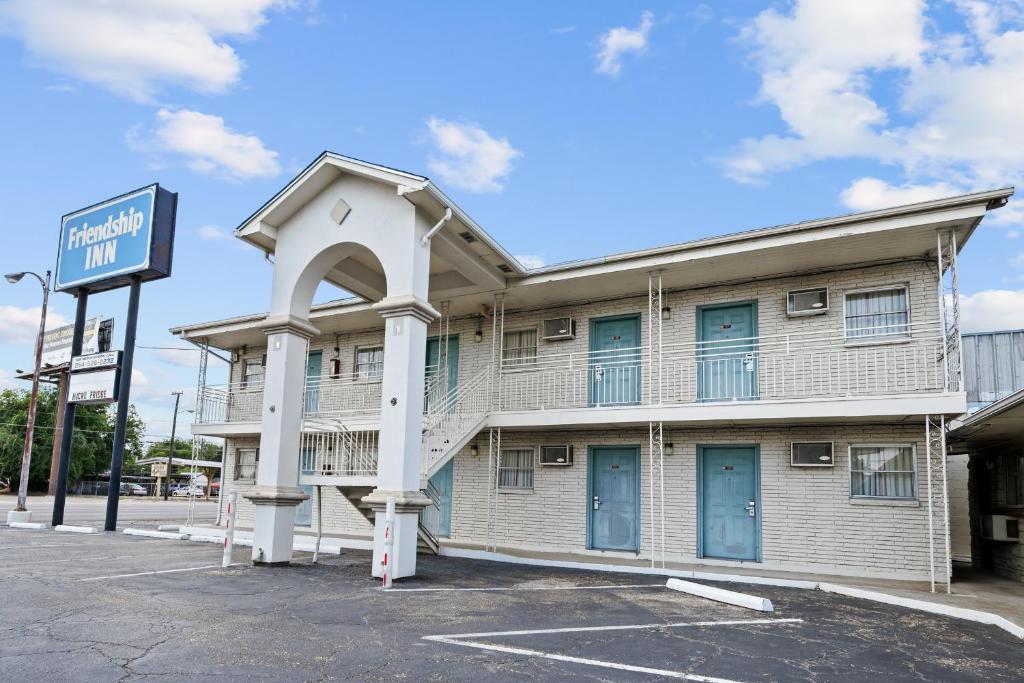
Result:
[
  {"x": 513, "y": 589},
  {"x": 462, "y": 639},
  {"x": 159, "y": 571},
  {"x": 589, "y": 662}
]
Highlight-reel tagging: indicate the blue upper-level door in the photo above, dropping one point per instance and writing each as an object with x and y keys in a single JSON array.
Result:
[
  {"x": 307, "y": 465},
  {"x": 314, "y": 370},
  {"x": 433, "y": 364},
  {"x": 614, "y": 365},
  {"x": 729, "y": 505},
  {"x": 727, "y": 352},
  {"x": 614, "y": 505}
]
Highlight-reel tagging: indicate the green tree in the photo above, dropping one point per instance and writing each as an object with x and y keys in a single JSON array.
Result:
[{"x": 91, "y": 443}]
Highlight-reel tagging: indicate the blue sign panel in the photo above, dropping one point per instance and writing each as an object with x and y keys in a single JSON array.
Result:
[{"x": 103, "y": 245}]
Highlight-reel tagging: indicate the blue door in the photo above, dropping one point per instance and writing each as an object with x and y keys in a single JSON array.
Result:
[
  {"x": 727, "y": 352},
  {"x": 614, "y": 366},
  {"x": 614, "y": 498},
  {"x": 307, "y": 465},
  {"x": 314, "y": 375},
  {"x": 439, "y": 488},
  {"x": 433, "y": 364},
  {"x": 728, "y": 502}
]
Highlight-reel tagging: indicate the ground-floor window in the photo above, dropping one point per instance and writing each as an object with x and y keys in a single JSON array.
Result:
[
  {"x": 882, "y": 471},
  {"x": 1013, "y": 479},
  {"x": 516, "y": 470},
  {"x": 246, "y": 462}
]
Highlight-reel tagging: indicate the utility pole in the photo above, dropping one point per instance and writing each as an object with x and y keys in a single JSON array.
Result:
[
  {"x": 26, "y": 456},
  {"x": 62, "y": 402},
  {"x": 170, "y": 451}
]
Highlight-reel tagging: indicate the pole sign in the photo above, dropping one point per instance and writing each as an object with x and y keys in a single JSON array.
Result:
[
  {"x": 94, "y": 387},
  {"x": 57, "y": 342},
  {"x": 101, "y": 246},
  {"x": 96, "y": 361}
]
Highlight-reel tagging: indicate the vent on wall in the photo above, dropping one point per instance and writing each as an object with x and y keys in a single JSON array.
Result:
[
  {"x": 556, "y": 455},
  {"x": 504, "y": 267},
  {"x": 556, "y": 329},
  {"x": 807, "y": 302},
  {"x": 812, "y": 454},
  {"x": 468, "y": 236}
]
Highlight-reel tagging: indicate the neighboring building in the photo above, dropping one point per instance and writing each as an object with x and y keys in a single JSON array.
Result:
[
  {"x": 770, "y": 399},
  {"x": 991, "y": 441}
]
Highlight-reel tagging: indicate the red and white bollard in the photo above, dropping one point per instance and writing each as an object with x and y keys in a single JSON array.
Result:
[
  {"x": 229, "y": 530},
  {"x": 389, "y": 541}
]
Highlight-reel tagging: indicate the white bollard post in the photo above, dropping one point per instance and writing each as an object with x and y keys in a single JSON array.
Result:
[
  {"x": 389, "y": 541},
  {"x": 229, "y": 531}
]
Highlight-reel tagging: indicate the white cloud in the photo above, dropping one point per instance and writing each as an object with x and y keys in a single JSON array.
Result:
[
  {"x": 865, "y": 194},
  {"x": 993, "y": 309},
  {"x": 531, "y": 260},
  {"x": 21, "y": 325},
  {"x": 183, "y": 358},
  {"x": 208, "y": 146},
  {"x": 471, "y": 159},
  {"x": 7, "y": 381},
  {"x": 955, "y": 121},
  {"x": 620, "y": 41},
  {"x": 132, "y": 47},
  {"x": 213, "y": 233}
]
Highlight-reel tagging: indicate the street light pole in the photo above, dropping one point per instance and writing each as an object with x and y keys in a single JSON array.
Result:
[
  {"x": 26, "y": 456},
  {"x": 170, "y": 451}
]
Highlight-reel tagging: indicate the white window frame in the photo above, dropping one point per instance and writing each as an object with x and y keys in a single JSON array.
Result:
[
  {"x": 831, "y": 445},
  {"x": 246, "y": 383},
  {"x": 533, "y": 469},
  {"x": 878, "y": 338},
  {"x": 355, "y": 363},
  {"x": 238, "y": 462},
  {"x": 914, "y": 496},
  {"x": 519, "y": 363}
]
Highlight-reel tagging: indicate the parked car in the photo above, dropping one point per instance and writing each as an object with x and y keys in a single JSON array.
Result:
[
  {"x": 186, "y": 491},
  {"x": 130, "y": 489}
]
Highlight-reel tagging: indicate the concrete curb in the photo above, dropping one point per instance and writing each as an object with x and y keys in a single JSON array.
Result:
[
  {"x": 27, "y": 525},
  {"x": 149, "y": 533},
  {"x": 76, "y": 529},
  {"x": 721, "y": 595},
  {"x": 304, "y": 544},
  {"x": 977, "y": 616},
  {"x": 168, "y": 527}
]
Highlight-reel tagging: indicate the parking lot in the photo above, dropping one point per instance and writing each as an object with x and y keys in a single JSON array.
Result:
[{"x": 112, "y": 607}]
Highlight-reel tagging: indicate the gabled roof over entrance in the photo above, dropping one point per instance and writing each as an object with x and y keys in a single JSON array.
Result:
[{"x": 464, "y": 257}]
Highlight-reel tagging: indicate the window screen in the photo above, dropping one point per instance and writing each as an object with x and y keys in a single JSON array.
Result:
[
  {"x": 519, "y": 348},
  {"x": 878, "y": 313},
  {"x": 246, "y": 462},
  {"x": 516, "y": 471},
  {"x": 882, "y": 472},
  {"x": 370, "y": 362}
]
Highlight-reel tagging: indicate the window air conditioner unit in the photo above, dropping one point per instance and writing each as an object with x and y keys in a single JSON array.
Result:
[
  {"x": 812, "y": 454},
  {"x": 556, "y": 455},
  {"x": 807, "y": 302},
  {"x": 1000, "y": 528},
  {"x": 559, "y": 328}
]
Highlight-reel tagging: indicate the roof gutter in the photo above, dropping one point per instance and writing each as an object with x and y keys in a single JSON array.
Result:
[{"x": 425, "y": 240}]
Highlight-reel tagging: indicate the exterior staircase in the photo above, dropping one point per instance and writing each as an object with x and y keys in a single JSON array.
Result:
[
  {"x": 452, "y": 421},
  {"x": 427, "y": 543}
]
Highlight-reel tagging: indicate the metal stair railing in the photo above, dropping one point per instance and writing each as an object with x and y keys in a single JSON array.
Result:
[{"x": 448, "y": 422}]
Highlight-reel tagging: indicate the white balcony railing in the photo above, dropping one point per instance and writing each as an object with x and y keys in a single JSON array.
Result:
[
  {"x": 236, "y": 402},
  {"x": 329, "y": 448},
  {"x": 909, "y": 359}
]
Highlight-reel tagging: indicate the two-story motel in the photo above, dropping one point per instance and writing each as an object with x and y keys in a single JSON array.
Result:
[{"x": 774, "y": 398}]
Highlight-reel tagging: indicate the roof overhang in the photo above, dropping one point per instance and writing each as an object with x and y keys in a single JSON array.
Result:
[{"x": 996, "y": 425}]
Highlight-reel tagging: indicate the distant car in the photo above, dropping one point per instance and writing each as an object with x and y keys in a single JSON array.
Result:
[
  {"x": 186, "y": 491},
  {"x": 137, "y": 490}
]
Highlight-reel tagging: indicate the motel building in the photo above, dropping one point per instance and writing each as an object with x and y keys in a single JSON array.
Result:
[{"x": 770, "y": 400}]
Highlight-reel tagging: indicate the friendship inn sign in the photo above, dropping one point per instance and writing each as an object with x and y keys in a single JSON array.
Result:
[{"x": 104, "y": 245}]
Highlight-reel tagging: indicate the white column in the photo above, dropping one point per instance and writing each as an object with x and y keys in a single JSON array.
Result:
[
  {"x": 276, "y": 492},
  {"x": 401, "y": 430}
]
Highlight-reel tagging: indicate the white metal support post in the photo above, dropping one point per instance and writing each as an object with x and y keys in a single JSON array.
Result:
[
  {"x": 656, "y": 482},
  {"x": 935, "y": 438},
  {"x": 197, "y": 446}
]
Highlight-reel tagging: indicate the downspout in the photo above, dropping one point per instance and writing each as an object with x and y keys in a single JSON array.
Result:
[{"x": 437, "y": 227}]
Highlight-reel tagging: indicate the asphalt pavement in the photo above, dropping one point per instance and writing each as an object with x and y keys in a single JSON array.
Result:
[{"x": 91, "y": 510}]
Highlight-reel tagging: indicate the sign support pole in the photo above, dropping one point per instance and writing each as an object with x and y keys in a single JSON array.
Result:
[
  {"x": 123, "y": 396},
  {"x": 68, "y": 423},
  {"x": 62, "y": 404}
]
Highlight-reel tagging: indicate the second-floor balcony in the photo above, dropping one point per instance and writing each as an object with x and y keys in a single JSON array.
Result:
[{"x": 899, "y": 360}]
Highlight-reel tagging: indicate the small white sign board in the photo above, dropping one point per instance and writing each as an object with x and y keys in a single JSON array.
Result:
[
  {"x": 158, "y": 469},
  {"x": 96, "y": 361},
  {"x": 93, "y": 387}
]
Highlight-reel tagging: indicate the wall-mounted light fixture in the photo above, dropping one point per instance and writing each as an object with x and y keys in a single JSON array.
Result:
[
  {"x": 478, "y": 336},
  {"x": 474, "y": 450},
  {"x": 669, "y": 448},
  {"x": 666, "y": 313}
]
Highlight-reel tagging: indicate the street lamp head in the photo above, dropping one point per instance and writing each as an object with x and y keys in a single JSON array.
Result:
[{"x": 13, "y": 278}]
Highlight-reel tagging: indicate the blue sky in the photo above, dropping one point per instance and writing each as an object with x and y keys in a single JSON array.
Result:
[{"x": 567, "y": 130}]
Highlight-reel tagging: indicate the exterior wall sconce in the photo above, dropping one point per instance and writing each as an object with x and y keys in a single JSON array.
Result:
[
  {"x": 668, "y": 448},
  {"x": 478, "y": 336},
  {"x": 666, "y": 313},
  {"x": 474, "y": 450}
]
